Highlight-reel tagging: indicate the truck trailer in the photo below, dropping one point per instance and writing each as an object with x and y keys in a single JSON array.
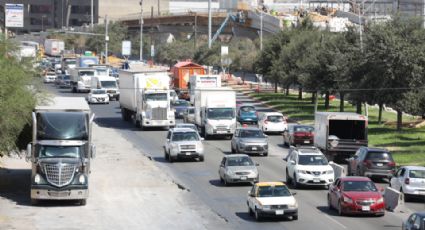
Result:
[
  {"x": 61, "y": 150},
  {"x": 54, "y": 47},
  {"x": 202, "y": 81}
]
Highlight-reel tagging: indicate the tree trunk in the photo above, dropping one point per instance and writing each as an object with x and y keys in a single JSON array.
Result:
[
  {"x": 399, "y": 119},
  {"x": 327, "y": 100},
  {"x": 341, "y": 102},
  {"x": 381, "y": 107},
  {"x": 300, "y": 93},
  {"x": 275, "y": 87},
  {"x": 287, "y": 90},
  {"x": 313, "y": 97},
  {"x": 359, "y": 107}
]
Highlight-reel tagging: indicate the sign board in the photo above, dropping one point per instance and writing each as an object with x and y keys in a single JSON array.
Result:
[
  {"x": 126, "y": 48},
  {"x": 14, "y": 15},
  {"x": 88, "y": 53},
  {"x": 152, "y": 50},
  {"x": 224, "y": 50}
]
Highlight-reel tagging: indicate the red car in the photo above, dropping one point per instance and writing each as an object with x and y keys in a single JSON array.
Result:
[
  {"x": 355, "y": 195},
  {"x": 298, "y": 135}
]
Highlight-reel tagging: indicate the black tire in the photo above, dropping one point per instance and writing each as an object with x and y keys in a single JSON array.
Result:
[
  {"x": 125, "y": 114},
  {"x": 257, "y": 215},
  {"x": 221, "y": 180},
  {"x": 340, "y": 212},
  {"x": 288, "y": 178},
  {"x": 170, "y": 158},
  {"x": 329, "y": 203},
  {"x": 233, "y": 150},
  {"x": 201, "y": 158},
  {"x": 117, "y": 98},
  {"x": 266, "y": 154},
  {"x": 295, "y": 217},
  {"x": 83, "y": 202},
  {"x": 406, "y": 197},
  {"x": 294, "y": 182},
  {"x": 250, "y": 212}
]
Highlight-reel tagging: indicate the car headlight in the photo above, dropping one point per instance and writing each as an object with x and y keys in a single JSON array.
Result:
[
  {"x": 242, "y": 144},
  {"x": 302, "y": 171},
  {"x": 380, "y": 200},
  {"x": 294, "y": 205},
  {"x": 37, "y": 178},
  {"x": 229, "y": 172},
  {"x": 266, "y": 207},
  {"x": 174, "y": 145},
  {"x": 266, "y": 146},
  {"x": 82, "y": 179},
  {"x": 347, "y": 200},
  {"x": 330, "y": 172}
]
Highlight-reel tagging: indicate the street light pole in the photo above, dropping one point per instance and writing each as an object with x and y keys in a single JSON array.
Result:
[
  {"x": 106, "y": 39},
  {"x": 261, "y": 29},
  {"x": 141, "y": 30},
  {"x": 92, "y": 17},
  {"x": 209, "y": 24}
]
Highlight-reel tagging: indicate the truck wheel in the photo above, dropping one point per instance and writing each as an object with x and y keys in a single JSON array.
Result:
[
  {"x": 34, "y": 202},
  {"x": 74, "y": 90},
  {"x": 83, "y": 202},
  {"x": 201, "y": 158},
  {"x": 124, "y": 114}
]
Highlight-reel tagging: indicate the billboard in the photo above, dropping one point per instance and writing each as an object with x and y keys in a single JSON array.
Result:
[{"x": 14, "y": 14}]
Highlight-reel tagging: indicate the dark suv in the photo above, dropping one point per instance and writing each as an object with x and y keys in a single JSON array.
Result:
[{"x": 371, "y": 162}]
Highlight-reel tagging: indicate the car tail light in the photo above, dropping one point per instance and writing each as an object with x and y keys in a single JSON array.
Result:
[
  {"x": 367, "y": 163},
  {"x": 391, "y": 164},
  {"x": 407, "y": 181}
]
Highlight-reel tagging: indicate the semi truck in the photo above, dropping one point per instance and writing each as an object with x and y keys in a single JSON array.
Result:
[
  {"x": 340, "y": 134},
  {"x": 202, "y": 81},
  {"x": 108, "y": 83},
  {"x": 215, "y": 111},
  {"x": 61, "y": 150},
  {"x": 145, "y": 98},
  {"x": 81, "y": 79},
  {"x": 54, "y": 47}
]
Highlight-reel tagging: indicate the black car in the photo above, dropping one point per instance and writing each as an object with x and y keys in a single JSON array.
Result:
[
  {"x": 180, "y": 107},
  {"x": 371, "y": 162}
]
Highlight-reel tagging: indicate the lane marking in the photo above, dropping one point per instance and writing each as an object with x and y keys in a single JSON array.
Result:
[{"x": 335, "y": 221}]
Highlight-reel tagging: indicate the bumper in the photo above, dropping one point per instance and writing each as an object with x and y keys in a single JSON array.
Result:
[
  {"x": 271, "y": 129},
  {"x": 377, "y": 209},
  {"x": 303, "y": 142},
  {"x": 379, "y": 172},
  {"x": 187, "y": 155},
  {"x": 277, "y": 213},
  {"x": 46, "y": 192},
  {"x": 315, "y": 181},
  {"x": 158, "y": 123},
  {"x": 415, "y": 191},
  {"x": 257, "y": 149},
  {"x": 241, "y": 178}
]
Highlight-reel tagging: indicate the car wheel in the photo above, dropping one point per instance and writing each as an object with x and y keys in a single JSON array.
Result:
[
  {"x": 266, "y": 154},
  {"x": 83, "y": 202},
  {"x": 233, "y": 150},
  {"x": 225, "y": 181},
  {"x": 221, "y": 180},
  {"x": 294, "y": 182},
  {"x": 329, "y": 203},
  {"x": 288, "y": 179},
  {"x": 405, "y": 196},
  {"x": 170, "y": 158},
  {"x": 295, "y": 217},
  {"x": 340, "y": 212},
  {"x": 250, "y": 212},
  {"x": 201, "y": 158},
  {"x": 257, "y": 215}
]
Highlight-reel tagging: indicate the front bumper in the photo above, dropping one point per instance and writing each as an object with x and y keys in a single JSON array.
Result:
[
  {"x": 416, "y": 191},
  {"x": 158, "y": 123},
  {"x": 187, "y": 155},
  {"x": 353, "y": 208},
  {"x": 242, "y": 178},
  {"x": 254, "y": 149},
  {"x": 276, "y": 212},
  {"x": 322, "y": 180},
  {"x": 70, "y": 192},
  {"x": 379, "y": 172}
]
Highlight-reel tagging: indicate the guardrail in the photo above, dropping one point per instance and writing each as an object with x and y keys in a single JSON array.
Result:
[
  {"x": 393, "y": 199},
  {"x": 339, "y": 170}
]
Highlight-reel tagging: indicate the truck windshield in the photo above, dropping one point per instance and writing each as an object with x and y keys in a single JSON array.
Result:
[
  {"x": 109, "y": 84},
  {"x": 86, "y": 73},
  {"x": 156, "y": 97},
  {"x": 221, "y": 113},
  {"x": 62, "y": 126},
  {"x": 59, "y": 151}
]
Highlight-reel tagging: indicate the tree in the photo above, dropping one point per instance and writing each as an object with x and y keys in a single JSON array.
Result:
[
  {"x": 117, "y": 33},
  {"x": 178, "y": 50}
]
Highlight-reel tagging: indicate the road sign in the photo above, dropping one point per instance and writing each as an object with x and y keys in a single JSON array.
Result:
[
  {"x": 126, "y": 48},
  {"x": 152, "y": 50},
  {"x": 224, "y": 51},
  {"x": 14, "y": 15}
]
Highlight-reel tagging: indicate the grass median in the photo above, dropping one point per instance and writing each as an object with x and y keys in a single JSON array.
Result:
[{"x": 407, "y": 146}]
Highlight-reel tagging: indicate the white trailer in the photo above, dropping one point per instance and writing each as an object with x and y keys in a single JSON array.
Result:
[
  {"x": 340, "y": 134},
  {"x": 145, "y": 98},
  {"x": 202, "y": 81},
  {"x": 215, "y": 111},
  {"x": 54, "y": 47}
]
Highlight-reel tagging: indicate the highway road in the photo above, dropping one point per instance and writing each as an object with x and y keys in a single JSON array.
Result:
[{"x": 201, "y": 179}]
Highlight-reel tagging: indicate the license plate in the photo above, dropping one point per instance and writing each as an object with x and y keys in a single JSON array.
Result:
[
  {"x": 365, "y": 208},
  {"x": 280, "y": 212},
  {"x": 254, "y": 148},
  {"x": 243, "y": 178},
  {"x": 316, "y": 180},
  {"x": 379, "y": 164},
  {"x": 187, "y": 154},
  {"x": 306, "y": 142},
  {"x": 221, "y": 132}
]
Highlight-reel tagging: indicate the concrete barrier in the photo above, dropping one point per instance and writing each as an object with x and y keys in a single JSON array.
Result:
[
  {"x": 393, "y": 199},
  {"x": 339, "y": 170}
]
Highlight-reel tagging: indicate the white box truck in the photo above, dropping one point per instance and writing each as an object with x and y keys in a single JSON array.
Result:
[
  {"x": 202, "y": 81},
  {"x": 145, "y": 98},
  {"x": 215, "y": 111},
  {"x": 81, "y": 79},
  {"x": 61, "y": 150},
  {"x": 54, "y": 47},
  {"x": 108, "y": 83},
  {"x": 340, "y": 134}
]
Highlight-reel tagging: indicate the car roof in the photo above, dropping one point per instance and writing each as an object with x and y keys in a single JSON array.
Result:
[
  {"x": 372, "y": 149},
  {"x": 414, "y": 167},
  {"x": 355, "y": 178},
  {"x": 183, "y": 130},
  {"x": 236, "y": 155},
  {"x": 274, "y": 183},
  {"x": 308, "y": 150}
]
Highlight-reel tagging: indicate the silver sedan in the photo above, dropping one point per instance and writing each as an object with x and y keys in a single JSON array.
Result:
[
  {"x": 250, "y": 140},
  {"x": 238, "y": 168}
]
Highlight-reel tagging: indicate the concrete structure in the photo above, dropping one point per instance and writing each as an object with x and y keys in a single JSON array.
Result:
[
  {"x": 123, "y": 8},
  {"x": 47, "y": 14}
]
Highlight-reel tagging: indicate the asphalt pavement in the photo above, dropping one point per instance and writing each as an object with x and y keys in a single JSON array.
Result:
[{"x": 201, "y": 179}]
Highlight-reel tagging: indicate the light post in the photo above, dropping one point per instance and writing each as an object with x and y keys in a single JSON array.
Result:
[
  {"x": 141, "y": 30},
  {"x": 92, "y": 17},
  {"x": 209, "y": 24},
  {"x": 42, "y": 22},
  {"x": 261, "y": 30},
  {"x": 106, "y": 39}
]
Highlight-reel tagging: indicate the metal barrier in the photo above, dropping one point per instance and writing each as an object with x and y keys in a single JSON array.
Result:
[
  {"x": 339, "y": 171},
  {"x": 393, "y": 199}
]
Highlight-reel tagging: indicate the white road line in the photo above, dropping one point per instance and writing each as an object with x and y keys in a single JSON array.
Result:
[{"x": 330, "y": 218}]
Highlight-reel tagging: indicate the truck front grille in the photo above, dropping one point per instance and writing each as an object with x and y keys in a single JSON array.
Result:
[
  {"x": 159, "y": 114},
  {"x": 59, "y": 174}
]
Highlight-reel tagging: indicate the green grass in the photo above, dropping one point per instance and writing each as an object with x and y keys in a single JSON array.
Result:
[{"x": 407, "y": 146}]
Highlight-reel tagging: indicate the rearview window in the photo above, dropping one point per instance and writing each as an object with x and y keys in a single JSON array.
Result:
[
  {"x": 379, "y": 156},
  {"x": 417, "y": 174}
]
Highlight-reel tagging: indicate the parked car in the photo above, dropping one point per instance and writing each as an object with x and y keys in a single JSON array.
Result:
[
  {"x": 96, "y": 96},
  {"x": 49, "y": 77},
  {"x": 298, "y": 135},
  {"x": 189, "y": 115},
  {"x": 308, "y": 166},
  {"x": 371, "y": 162},
  {"x": 179, "y": 107},
  {"x": 238, "y": 168},
  {"x": 247, "y": 114},
  {"x": 183, "y": 143},
  {"x": 271, "y": 199},
  {"x": 272, "y": 122},
  {"x": 409, "y": 180},
  {"x": 416, "y": 221},
  {"x": 249, "y": 140},
  {"x": 355, "y": 195},
  {"x": 187, "y": 125}
]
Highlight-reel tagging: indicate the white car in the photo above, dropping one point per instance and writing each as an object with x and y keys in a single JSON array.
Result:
[
  {"x": 272, "y": 199},
  {"x": 98, "y": 96},
  {"x": 183, "y": 143},
  {"x": 50, "y": 77},
  {"x": 410, "y": 180},
  {"x": 272, "y": 122},
  {"x": 308, "y": 166}
]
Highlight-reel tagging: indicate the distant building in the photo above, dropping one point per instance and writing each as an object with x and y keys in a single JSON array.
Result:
[
  {"x": 47, "y": 14},
  {"x": 118, "y": 9}
]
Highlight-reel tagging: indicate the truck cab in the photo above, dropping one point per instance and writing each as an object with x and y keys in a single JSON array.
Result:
[
  {"x": 81, "y": 79},
  {"x": 108, "y": 83}
]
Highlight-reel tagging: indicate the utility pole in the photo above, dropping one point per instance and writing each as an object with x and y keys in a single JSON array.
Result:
[
  {"x": 150, "y": 33},
  {"x": 106, "y": 39},
  {"x": 91, "y": 14},
  {"x": 195, "y": 31},
  {"x": 141, "y": 30},
  {"x": 261, "y": 30},
  {"x": 209, "y": 24}
]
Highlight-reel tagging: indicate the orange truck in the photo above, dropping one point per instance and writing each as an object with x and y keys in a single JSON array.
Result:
[{"x": 182, "y": 71}]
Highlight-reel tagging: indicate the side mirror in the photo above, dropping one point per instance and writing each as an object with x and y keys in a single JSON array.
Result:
[
  {"x": 93, "y": 151},
  {"x": 28, "y": 153}
]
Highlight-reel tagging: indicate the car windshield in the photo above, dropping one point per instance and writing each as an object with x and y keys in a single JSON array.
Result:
[
  {"x": 275, "y": 118},
  {"x": 303, "y": 129},
  {"x": 247, "y": 109},
  {"x": 156, "y": 97},
  {"x": 239, "y": 161},
  {"x": 185, "y": 136},
  {"x": 98, "y": 91},
  {"x": 359, "y": 186},
  {"x": 312, "y": 160},
  {"x": 59, "y": 151},
  {"x": 273, "y": 191},
  {"x": 109, "y": 84},
  {"x": 186, "y": 126},
  {"x": 251, "y": 134},
  {"x": 417, "y": 174},
  {"x": 86, "y": 73},
  {"x": 220, "y": 113},
  {"x": 379, "y": 156},
  {"x": 181, "y": 103}
]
